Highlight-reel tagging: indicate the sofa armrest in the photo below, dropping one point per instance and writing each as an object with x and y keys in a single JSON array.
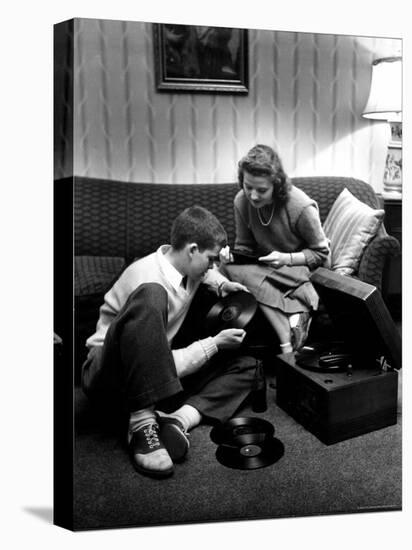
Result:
[{"x": 377, "y": 253}]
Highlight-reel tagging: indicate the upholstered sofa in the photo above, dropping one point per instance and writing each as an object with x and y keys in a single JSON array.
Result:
[{"x": 116, "y": 222}]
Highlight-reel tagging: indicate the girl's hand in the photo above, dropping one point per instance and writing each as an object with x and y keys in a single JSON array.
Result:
[
  {"x": 225, "y": 255},
  {"x": 276, "y": 259},
  {"x": 231, "y": 286}
]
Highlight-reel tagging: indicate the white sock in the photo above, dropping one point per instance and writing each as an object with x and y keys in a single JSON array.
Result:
[
  {"x": 294, "y": 319},
  {"x": 140, "y": 418},
  {"x": 187, "y": 415},
  {"x": 286, "y": 348}
]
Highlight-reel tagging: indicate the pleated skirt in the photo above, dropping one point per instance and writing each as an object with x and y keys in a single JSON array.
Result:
[{"x": 287, "y": 288}]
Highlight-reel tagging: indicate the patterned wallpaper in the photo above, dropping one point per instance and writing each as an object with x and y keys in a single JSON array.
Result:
[{"x": 306, "y": 94}]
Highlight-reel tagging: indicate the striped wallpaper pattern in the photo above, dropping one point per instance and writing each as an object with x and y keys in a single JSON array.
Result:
[{"x": 306, "y": 94}]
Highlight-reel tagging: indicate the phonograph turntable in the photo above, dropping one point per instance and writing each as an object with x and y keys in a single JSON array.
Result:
[{"x": 339, "y": 390}]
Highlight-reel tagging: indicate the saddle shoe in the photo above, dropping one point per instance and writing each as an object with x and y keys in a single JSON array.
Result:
[
  {"x": 174, "y": 437},
  {"x": 148, "y": 453}
]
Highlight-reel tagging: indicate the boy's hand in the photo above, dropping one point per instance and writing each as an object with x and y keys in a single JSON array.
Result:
[
  {"x": 276, "y": 259},
  {"x": 225, "y": 255},
  {"x": 229, "y": 338}
]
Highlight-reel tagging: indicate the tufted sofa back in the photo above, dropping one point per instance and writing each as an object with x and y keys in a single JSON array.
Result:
[
  {"x": 133, "y": 219},
  {"x": 129, "y": 220},
  {"x": 325, "y": 190},
  {"x": 116, "y": 222}
]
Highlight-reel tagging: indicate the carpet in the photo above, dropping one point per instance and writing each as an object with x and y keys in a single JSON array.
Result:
[{"x": 357, "y": 475}]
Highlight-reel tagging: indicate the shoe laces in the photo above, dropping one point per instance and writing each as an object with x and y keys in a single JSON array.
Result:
[{"x": 152, "y": 435}]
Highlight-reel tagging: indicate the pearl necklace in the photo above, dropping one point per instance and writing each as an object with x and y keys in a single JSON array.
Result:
[{"x": 265, "y": 224}]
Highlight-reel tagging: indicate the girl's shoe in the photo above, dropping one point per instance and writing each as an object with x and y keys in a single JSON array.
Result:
[{"x": 299, "y": 333}]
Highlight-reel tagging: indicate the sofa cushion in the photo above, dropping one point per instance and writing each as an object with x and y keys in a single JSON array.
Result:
[
  {"x": 350, "y": 226},
  {"x": 95, "y": 274}
]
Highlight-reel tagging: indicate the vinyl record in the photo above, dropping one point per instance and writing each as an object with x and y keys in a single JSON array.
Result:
[
  {"x": 250, "y": 455},
  {"x": 243, "y": 257},
  {"x": 326, "y": 362},
  {"x": 236, "y": 310},
  {"x": 242, "y": 426},
  {"x": 314, "y": 366},
  {"x": 320, "y": 368}
]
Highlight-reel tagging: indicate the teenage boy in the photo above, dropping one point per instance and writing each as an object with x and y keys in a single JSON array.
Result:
[{"x": 131, "y": 363}]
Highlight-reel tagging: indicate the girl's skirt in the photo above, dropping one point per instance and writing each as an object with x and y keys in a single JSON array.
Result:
[{"x": 287, "y": 288}]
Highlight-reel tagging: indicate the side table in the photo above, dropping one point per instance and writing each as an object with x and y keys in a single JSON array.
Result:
[{"x": 393, "y": 224}]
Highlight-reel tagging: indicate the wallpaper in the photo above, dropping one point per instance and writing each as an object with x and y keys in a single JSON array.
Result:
[{"x": 306, "y": 95}]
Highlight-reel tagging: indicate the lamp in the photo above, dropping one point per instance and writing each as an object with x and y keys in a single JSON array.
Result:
[{"x": 385, "y": 103}]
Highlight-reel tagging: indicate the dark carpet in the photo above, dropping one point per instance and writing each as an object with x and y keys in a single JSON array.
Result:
[{"x": 357, "y": 475}]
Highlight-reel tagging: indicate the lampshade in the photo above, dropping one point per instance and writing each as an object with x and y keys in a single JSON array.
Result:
[{"x": 385, "y": 96}]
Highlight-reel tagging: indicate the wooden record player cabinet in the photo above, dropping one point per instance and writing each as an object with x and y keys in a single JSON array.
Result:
[{"x": 339, "y": 405}]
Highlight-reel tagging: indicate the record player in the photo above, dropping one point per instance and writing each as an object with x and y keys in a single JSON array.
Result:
[{"x": 343, "y": 389}]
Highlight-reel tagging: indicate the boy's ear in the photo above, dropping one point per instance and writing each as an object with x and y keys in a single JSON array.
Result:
[{"x": 192, "y": 248}]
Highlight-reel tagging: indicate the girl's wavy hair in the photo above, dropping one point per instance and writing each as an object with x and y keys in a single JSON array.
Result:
[{"x": 262, "y": 160}]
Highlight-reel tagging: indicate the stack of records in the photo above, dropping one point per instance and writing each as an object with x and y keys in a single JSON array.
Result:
[{"x": 247, "y": 443}]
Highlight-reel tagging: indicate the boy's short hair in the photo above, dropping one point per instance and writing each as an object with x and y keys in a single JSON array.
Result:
[{"x": 197, "y": 225}]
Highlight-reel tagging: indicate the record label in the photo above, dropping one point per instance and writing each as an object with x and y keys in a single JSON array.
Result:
[{"x": 250, "y": 450}]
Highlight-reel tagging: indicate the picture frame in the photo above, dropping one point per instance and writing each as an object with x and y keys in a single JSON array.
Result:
[
  {"x": 393, "y": 167},
  {"x": 396, "y": 133},
  {"x": 204, "y": 59}
]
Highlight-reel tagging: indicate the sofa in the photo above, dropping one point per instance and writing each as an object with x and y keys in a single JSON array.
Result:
[{"x": 116, "y": 222}]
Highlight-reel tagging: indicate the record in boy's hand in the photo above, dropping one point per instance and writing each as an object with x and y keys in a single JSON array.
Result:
[{"x": 236, "y": 310}]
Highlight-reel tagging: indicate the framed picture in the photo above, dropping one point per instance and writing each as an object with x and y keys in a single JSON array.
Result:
[
  {"x": 200, "y": 59},
  {"x": 393, "y": 167},
  {"x": 396, "y": 133}
]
